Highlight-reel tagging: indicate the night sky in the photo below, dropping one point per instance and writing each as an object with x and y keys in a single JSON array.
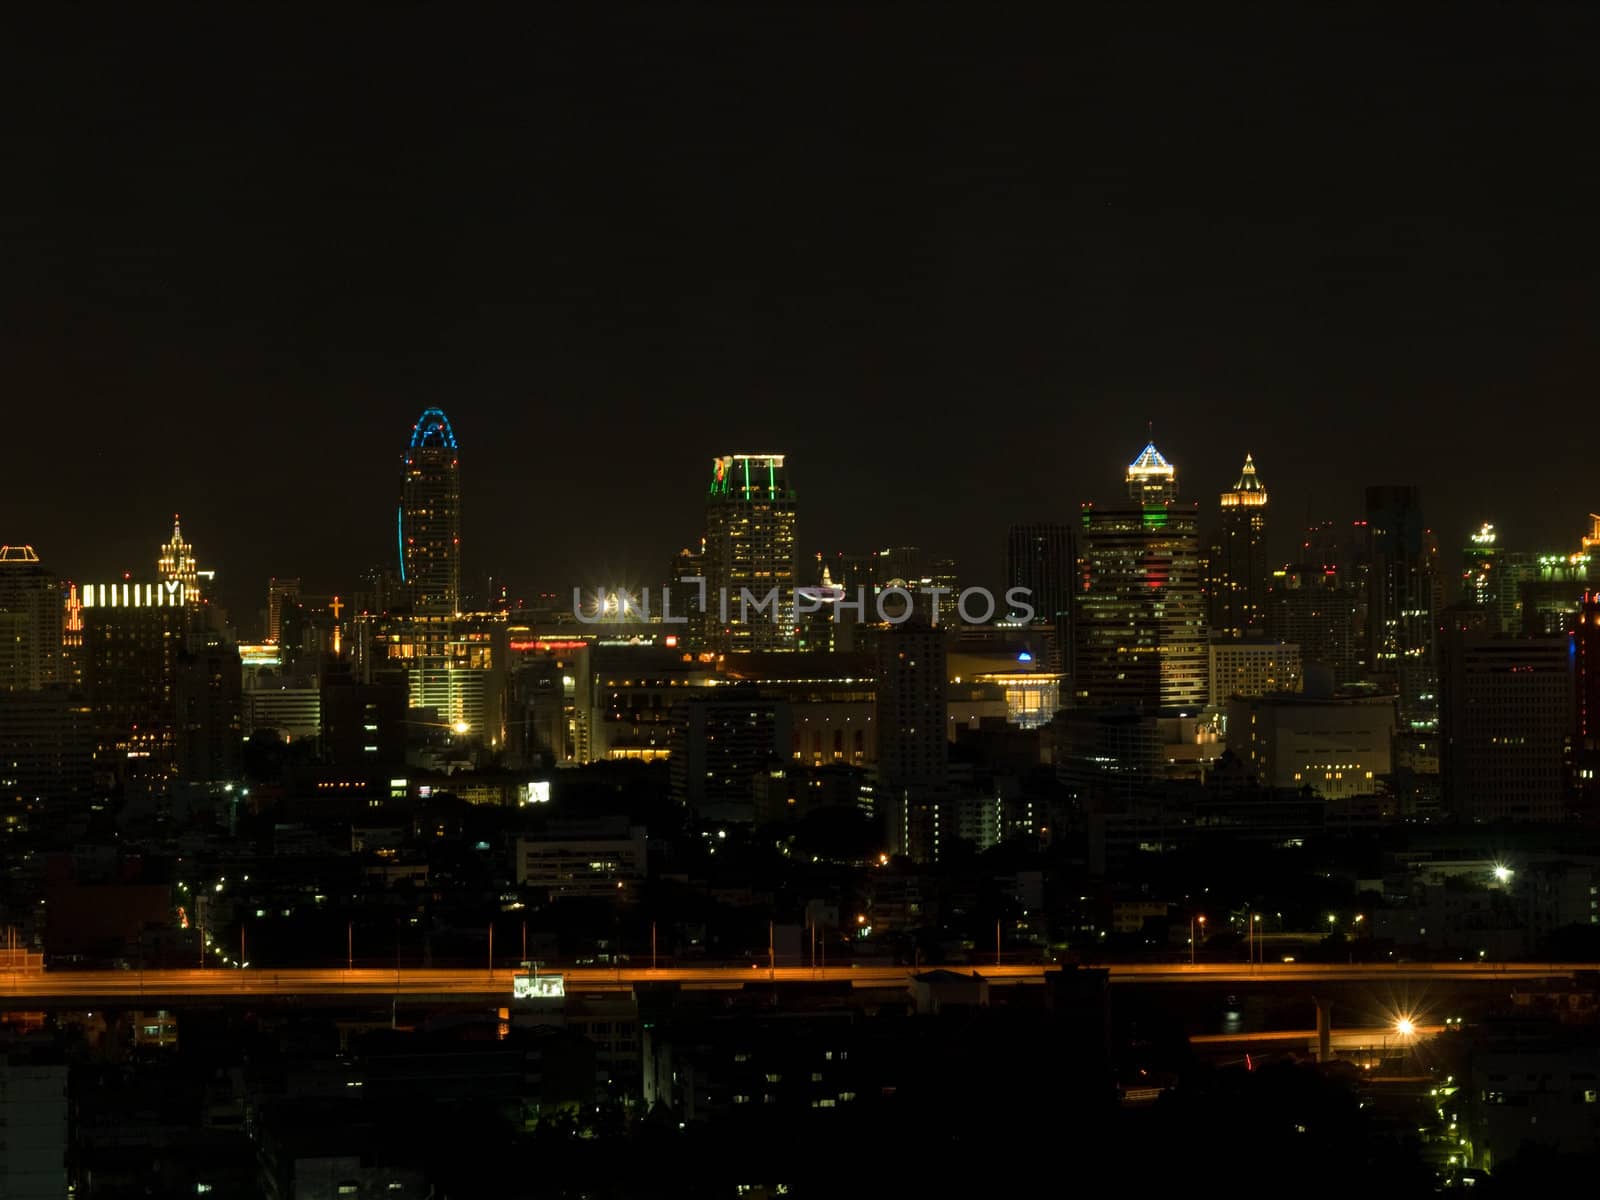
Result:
[{"x": 950, "y": 262}]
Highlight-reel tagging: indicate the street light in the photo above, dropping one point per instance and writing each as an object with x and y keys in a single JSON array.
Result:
[
  {"x": 1405, "y": 1027},
  {"x": 1193, "y": 921}
]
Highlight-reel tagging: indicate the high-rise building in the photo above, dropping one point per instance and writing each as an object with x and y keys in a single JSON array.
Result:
[
  {"x": 1311, "y": 607},
  {"x": 1402, "y": 604},
  {"x": 1042, "y": 557},
  {"x": 130, "y": 669},
  {"x": 750, "y": 554},
  {"x": 281, "y": 594},
  {"x": 429, "y": 517},
  {"x": 208, "y": 708},
  {"x": 30, "y": 622},
  {"x": 1480, "y": 581},
  {"x": 1238, "y": 587},
  {"x": 1506, "y": 723},
  {"x": 1139, "y": 618},
  {"x": 722, "y": 743},
  {"x": 913, "y": 747},
  {"x": 176, "y": 561},
  {"x": 1586, "y": 741}
]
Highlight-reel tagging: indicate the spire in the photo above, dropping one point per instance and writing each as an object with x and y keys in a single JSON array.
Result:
[{"x": 1249, "y": 492}]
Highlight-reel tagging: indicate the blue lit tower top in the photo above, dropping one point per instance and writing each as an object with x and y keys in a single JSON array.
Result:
[
  {"x": 1151, "y": 478},
  {"x": 429, "y": 517}
]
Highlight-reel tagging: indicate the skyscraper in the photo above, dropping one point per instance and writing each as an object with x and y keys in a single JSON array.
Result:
[
  {"x": 1506, "y": 722},
  {"x": 1402, "y": 603},
  {"x": 1480, "y": 581},
  {"x": 913, "y": 748},
  {"x": 1238, "y": 592},
  {"x": 750, "y": 545},
  {"x": 30, "y": 622},
  {"x": 1139, "y": 619},
  {"x": 281, "y": 594},
  {"x": 1042, "y": 558},
  {"x": 429, "y": 517}
]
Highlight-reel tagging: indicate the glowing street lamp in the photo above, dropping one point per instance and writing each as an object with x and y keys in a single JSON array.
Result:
[{"x": 1405, "y": 1027}]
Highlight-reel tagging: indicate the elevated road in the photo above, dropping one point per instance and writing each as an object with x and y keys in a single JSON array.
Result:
[{"x": 20, "y": 989}]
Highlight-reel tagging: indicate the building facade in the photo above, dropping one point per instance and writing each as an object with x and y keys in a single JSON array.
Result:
[
  {"x": 1238, "y": 589},
  {"x": 749, "y": 548},
  {"x": 429, "y": 517},
  {"x": 1506, "y": 725},
  {"x": 1139, "y": 620}
]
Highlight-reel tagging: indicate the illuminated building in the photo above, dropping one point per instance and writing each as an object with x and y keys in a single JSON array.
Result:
[
  {"x": 1151, "y": 478},
  {"x": 31, "y": 649},
  {"x": 176, "y": 562},
  {"x": 913, "y": 747},
  {"x": 429, "y": 518},
  {"x": 281, "y": 593},
  {"x": 1042, "y": 558},
  {"x": 293, "y": 711},
  {"x": 624, "y": 697},
  {"x": 1253, "y": 667},
  {"x": 722, "y": 743},
  {"x": 1506, "y": 723},
  {"x": 1139, "y": 621},
  {"x": 1337, "y": 746},
  {"x": 1586, "y": 664},
  {"x": 1238, "y": 585},
  {"x": 749, "y": 544},
  {"x": 130, "y": 669},
  {"x": 1402, "y": 604},
  {"x": 1480, "y": 581},
  {"x": 1311, "y": 608},
  {"x": 454, "y": 665}
]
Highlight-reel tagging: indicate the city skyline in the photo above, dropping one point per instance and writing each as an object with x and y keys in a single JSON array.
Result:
[{"x": 243, "y": 598}]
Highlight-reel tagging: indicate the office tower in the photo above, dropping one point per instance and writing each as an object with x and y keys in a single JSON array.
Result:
[
  {"x": 1586, "y": 745},
  {"x": 1238, "y": 589},
  {"x": 1042, "y": 558},
  {"x": 130, "y": 667},
  {"x": 176, "y": 561},
  {"x": 30, "y": 622},
  {"x": 913, "y": 748},
  {"x": 429, "y": 518},
  {"x": 750, "y": 548},
  {"x": 1480, "y": 581},
  {"x": 721, "y": 745},
  {"x": 208, "y": 710},
  {"x": 1310, "y": 607},
  {"x": 1139, "y": 621},
  {"x": 1506, "y": 722},
  {"x": 1402, "y": 604},
  {"x": 281, "y": 594}
]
